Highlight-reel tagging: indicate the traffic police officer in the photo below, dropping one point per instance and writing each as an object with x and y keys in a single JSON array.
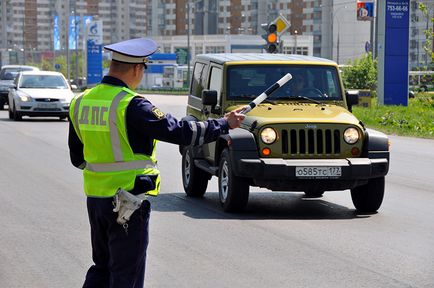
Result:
[{"x": 112, "y": 137}]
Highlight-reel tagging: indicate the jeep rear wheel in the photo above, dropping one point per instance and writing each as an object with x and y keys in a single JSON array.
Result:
[
  {"x": 194, "y": 179},
  {"x": 233, "y": 190},
  {"x": 368, "y": 197}
]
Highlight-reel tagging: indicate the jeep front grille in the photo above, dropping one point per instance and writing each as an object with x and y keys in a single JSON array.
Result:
[{"x": 311, "y": 141}]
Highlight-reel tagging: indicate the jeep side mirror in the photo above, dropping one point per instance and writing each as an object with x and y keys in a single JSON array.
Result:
[
  {"x": 352, "y": 97},
  {"x": 209, "y": 97}
]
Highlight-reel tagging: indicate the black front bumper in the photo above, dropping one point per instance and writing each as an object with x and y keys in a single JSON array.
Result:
[
  {"x": 280, "y": 174},
  {"x": 44, "y": 113}
]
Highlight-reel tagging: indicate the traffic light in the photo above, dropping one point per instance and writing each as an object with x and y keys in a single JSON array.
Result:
[
  {"x": 271, "y": 38},
  {"x": 272, "y": 44}
]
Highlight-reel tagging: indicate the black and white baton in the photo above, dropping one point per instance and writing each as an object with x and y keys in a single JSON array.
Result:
[{"x": 266, "y": 93}]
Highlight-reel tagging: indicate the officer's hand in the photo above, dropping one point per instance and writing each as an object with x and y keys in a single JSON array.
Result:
[{"x": 234, "y": 118}]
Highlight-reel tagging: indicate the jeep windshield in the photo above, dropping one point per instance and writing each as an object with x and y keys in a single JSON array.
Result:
[{"x": 316, "y": 82}]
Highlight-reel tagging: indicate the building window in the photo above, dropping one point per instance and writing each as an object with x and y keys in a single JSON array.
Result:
[
  {"x": 215, "y": 49},
  {"x": 198, "y": 49}
]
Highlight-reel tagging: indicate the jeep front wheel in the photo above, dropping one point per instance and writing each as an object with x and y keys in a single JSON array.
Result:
[
  {"x": 368, "y": 197},
  {"x": 194, "y": 179},
  {"x": 233, "y": 190}
]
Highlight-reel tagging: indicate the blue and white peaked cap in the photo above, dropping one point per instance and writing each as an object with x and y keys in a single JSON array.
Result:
[{"x": 134, "y": 51}]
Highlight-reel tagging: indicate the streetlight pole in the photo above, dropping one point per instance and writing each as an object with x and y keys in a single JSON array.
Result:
[
  {"x": 295, "y": 40},
  {"x": 76, "y": 43},
  {"x": 334, "y": 13},
  {"x": 68, "y": 72}
]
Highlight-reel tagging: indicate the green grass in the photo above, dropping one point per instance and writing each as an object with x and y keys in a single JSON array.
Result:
[{"x": 416, "y": 120}]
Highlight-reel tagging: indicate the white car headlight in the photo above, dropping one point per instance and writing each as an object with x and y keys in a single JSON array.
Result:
[
  {"x": 268, "y": 135},
  {"x": 25, "y": 98},
  {"x": 351, "y": 135}
]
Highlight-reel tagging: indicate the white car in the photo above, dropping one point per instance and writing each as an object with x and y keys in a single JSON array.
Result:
[{"x": 39, "y": 93}]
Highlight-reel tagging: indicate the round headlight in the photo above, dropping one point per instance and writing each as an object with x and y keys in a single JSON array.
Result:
[
  {"x": 25, "y": 98},
  {"x": 268, "y": 135},
  {"x": 351, "y": 135}
]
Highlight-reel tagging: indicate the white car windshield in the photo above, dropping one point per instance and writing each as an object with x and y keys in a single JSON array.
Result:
[{"x": 43, "y": 81}]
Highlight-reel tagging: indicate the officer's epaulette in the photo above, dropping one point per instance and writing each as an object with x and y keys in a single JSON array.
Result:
[{"x": 141, "y": 95}]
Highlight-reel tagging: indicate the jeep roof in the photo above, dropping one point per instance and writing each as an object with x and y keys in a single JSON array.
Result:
[{"x": 222, "y": 58}]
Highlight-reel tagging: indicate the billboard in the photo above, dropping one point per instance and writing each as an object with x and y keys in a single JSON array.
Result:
[
  {"x": 396, "y": 52},
  {"x": 56, "y": 33},
  {"x": 94, "y": 51},
  {"x": 393, "y": 36},
  {"x": 94, "y": 31},
  {"x": 75, "y": 26},
  {"x": 75, "y": 29},
  {"x": 365, "y": 10}
]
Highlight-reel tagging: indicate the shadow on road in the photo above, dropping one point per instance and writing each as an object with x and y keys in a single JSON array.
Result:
[
  {"x": 291, "y": 206},
  {"x": 35, "y": 120}
]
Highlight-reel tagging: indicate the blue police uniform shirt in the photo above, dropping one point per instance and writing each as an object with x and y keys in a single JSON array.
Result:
[{"x": 146, "y": 123}]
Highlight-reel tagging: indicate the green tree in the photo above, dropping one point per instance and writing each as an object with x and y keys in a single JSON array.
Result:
[
  {"x": 429, "y": 32},
  {"x": 361, "y": 73}
]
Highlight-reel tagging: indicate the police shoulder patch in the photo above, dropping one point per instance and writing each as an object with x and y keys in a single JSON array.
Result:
[{"x": 158, "y": 113}]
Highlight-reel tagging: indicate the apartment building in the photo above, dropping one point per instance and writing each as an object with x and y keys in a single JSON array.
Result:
[
  {"x": 419, "y": 23},
  {"x": 333, "y": 24},
  {"x": 27, "y": 26},
  {"x": 31, "y": 26}
]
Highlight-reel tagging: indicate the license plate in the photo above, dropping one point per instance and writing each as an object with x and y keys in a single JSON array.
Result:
[
  {"x": 47, "y": 105},
  {"x": 318, "y": 172}
]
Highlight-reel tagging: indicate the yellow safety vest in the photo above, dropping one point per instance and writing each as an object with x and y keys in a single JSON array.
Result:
[{"x": 98, "y": 117}]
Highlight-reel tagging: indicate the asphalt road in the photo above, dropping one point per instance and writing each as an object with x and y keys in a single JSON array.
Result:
[{"x": 282, "y": 240}]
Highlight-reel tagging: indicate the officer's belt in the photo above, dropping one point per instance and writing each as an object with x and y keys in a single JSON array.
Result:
[{"x": 121, "y": 166}]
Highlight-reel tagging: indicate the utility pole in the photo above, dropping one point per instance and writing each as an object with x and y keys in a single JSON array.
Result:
[
  {"x": 372, "y": 39},
  {"x": 24, "y": 39},
  {"x": 76, "y": 42},
  {"x": 68, "y": 72}
]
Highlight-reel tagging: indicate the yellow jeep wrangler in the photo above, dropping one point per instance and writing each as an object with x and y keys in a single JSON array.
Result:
[{"x": 303, "y": 137}]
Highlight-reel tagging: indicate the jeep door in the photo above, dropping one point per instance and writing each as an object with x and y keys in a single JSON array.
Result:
[{"x": 215, "y": 82}]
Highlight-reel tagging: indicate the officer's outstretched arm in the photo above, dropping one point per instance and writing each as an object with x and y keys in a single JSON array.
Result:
[
  {"x": 235, "y": 118},
  {"x": 151, "y": 122}
]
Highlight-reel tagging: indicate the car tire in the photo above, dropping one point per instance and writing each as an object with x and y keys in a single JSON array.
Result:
[
  {"x": 2, "y": 104},
  {"x": 16, "y": 116},
  {"x": 233, "y": 190},
  {"x": 194, "y": 180},
  {"x": 11, "y": 114},
  {"x": 368, "y": 198}
]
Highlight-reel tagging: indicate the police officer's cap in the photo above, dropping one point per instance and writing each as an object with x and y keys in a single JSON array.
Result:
[{"x": 134, "y": 51}]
